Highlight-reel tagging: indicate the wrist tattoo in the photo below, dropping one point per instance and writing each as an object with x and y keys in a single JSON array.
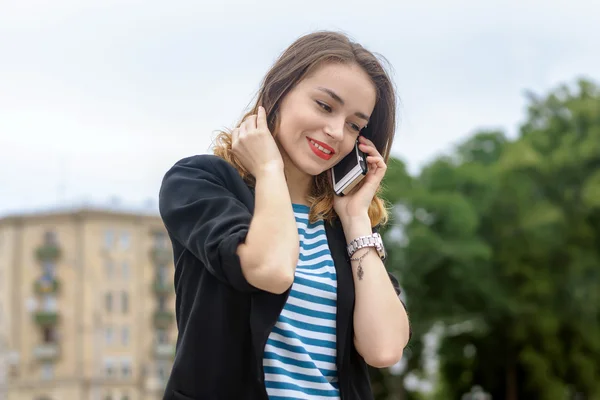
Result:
[{"x": 359, "y": 270}]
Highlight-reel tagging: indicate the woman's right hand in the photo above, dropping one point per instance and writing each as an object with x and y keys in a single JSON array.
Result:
[{"x": 254, "y": 145}]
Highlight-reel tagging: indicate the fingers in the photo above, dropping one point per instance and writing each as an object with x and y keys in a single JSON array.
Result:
[
  {"x": 375, "y": 160},
  {"x": 261, "y": 119},
  {"x": 363, "y": 139},
  {"x": 250, "y": 123},
  {"x": 235, "y": 140},
  {"x": 369, "y": 150},
  {"x": 255, "y": 122},
  {"x": 240, "y": 131},
  {"x": 367, "y": 146}
]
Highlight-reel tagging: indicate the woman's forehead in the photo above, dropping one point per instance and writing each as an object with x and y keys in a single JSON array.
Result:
[{"x": 349, "y": 82}]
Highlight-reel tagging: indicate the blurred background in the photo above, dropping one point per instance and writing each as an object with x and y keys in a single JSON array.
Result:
[{"x": 494, "y": 184}]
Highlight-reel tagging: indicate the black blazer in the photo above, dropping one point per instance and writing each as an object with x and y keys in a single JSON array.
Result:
[{"x": 223, "y": 321}]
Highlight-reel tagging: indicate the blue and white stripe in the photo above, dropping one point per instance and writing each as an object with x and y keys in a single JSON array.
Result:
[{"x": 300, "y": 354}]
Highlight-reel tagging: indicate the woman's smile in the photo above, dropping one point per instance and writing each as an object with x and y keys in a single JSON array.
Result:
[{"x": 321, "y": 149}]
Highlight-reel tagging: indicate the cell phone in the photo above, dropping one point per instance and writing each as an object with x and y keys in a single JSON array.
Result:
[{"x": 348, "y": 173}]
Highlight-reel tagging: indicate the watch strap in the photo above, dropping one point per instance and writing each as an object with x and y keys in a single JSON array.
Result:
[{"x": 373, "y": 240}]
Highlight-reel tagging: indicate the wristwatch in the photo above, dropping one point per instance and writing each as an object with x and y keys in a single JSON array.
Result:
[{"x": 373, "y": 240}]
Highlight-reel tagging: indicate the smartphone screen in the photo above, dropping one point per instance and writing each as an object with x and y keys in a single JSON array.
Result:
[{"x": 346, "y": 165}]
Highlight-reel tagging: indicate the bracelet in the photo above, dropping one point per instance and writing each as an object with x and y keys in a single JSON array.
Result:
[
  {"x": 359, "y": 269},
  {"x": 373, "y": 240}
]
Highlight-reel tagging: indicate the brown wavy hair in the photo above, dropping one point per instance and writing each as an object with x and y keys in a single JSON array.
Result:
[{"x": 299, "y": 60}]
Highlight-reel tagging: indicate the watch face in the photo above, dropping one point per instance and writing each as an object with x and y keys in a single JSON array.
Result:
[{"x": 381, "y": 247}]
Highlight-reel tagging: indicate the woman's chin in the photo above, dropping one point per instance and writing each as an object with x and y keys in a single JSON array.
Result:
[
  {"x": 309, "y": 167},
  {"x": 315, "y": 171}
]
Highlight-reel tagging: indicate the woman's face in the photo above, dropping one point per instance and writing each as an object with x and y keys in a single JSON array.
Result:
[{"x": 320, "y": 119}]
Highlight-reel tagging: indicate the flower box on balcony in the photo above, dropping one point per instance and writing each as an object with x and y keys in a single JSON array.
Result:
[
  {"x": 163, "y": 319},
  {"x": 48, "y": 252},
  {"x": 43, "y": 286},
  {"x": 161, "y": 256},
  {"x": 162, "y": 288},
  {"x": 46, "y": 318}
]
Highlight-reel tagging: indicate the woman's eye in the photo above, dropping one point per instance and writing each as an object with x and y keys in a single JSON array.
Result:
[
  {"x": 324, "y": 106},
  {"x": 355, "y": 127}
]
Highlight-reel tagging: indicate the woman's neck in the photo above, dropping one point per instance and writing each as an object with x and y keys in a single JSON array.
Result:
[{"x": 299, "y": 183}]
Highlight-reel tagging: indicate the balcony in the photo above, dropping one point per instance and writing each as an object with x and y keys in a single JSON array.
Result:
[
  {"x": 44, "y": 286},
  {"x": 164, "y": 351},
  {"x": 48, "y": 252},
  {"x": 163, "y": 319},
  {"x": 46, "y": 352},
  {"x": 46, "y": 318},
  {"x": 161, "y": 255},
  {"x": 162, "y": 288}
]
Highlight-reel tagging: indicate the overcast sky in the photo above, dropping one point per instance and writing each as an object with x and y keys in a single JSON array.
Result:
[{"x": 99, "y": 100}]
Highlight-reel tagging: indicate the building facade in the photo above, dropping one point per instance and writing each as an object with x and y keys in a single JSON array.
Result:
[{"x": 86, "y": 306}]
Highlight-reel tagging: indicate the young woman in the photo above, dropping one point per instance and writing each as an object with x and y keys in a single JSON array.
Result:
[{"x": 275, "y": 299}]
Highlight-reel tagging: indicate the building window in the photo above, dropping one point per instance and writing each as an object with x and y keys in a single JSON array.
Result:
[
  {"x": 50, "y": 237},
  {"x": 109, "y": 268},
  {"x": 162, "y": 336},
  {"x": 109, "y": 239},
  {"x": 108, "y": 335},
  {"x": 49, "y": 303},
  {"x": 124, "y": 302},
  {"x": 49, "y": 269},
  {"x": 126, "y": 368},
  {"x": 162, "y": 273},
  {"x": 47, "y": 372},
  {"x": 125, "y": 270},
  {"x": 162, "y": 371},
  {"x": 125, "y": 336},
  {"x": 108, "y": 302},
  {"x": 49, "y": 335},
  {"x": 160, "y": 240},
  {"x": 47, "y": 279},
  {"x": 109, "y": 370},
  {"x": 125, "y": 240},
  {"x": 162, "y": 303}
]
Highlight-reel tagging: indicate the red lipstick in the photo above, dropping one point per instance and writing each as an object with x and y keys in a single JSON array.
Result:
[{"x": 319, "y": 152}]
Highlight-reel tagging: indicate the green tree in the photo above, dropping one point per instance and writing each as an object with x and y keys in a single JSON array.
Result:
[{"x": 503, "y": 237}]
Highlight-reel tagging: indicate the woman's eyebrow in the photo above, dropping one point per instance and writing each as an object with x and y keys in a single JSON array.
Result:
[{"x": 337, "y": 98}]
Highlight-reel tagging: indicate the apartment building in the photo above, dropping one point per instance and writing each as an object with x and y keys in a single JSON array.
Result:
[{"x": 86, "y": 306}]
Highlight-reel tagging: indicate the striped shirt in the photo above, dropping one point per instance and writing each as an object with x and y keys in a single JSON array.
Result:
[{"x": 300, "y": 354}]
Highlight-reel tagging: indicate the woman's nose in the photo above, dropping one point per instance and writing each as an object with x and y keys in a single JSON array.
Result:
[{"x": 335, "y": 130}]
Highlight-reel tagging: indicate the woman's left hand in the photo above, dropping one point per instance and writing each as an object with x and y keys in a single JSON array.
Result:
[{"x": 356, "y": 203}]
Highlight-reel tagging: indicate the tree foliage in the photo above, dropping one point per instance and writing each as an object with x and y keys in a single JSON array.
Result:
[{"x": 504, "y": 236}]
